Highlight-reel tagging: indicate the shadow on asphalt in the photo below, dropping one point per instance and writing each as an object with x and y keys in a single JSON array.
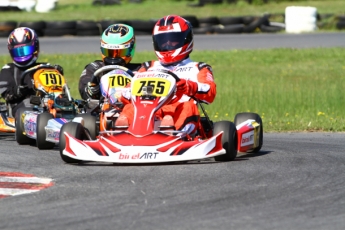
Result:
[{"x": 246, "y": 156}]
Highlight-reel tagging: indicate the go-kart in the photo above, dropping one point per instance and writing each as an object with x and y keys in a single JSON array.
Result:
[
  {"x": 52, "y": 106},
  {"x": 112, "y": 79},
  {"x": 146, "y": 141},
  {"x": 6, "y": 121}
]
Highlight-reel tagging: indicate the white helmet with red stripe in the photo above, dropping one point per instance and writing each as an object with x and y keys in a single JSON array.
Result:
[{"x": 172, "y": 39}]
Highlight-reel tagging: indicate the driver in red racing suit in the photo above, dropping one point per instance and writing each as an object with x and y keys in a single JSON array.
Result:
[{"x": 173, "y": 42}]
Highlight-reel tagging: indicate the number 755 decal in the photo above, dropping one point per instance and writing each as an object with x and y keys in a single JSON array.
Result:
[{"x": 160, "y": 86}]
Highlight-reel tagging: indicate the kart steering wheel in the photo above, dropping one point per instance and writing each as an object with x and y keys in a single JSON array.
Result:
[
  {"x": 96, "y": 76},
  {"x": 40, "y": 66},
  {"x": 170, "y": 73}
]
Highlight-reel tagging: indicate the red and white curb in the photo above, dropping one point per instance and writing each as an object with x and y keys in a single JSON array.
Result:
[{"x": 15, "y": 183}]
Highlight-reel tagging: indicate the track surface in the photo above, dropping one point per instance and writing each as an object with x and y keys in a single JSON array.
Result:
[
  {"x": 52, "y": 45},
  {"x": 297, "y": 181}
]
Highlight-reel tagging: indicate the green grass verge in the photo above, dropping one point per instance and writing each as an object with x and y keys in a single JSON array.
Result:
[{"x": 291, "y": 89}]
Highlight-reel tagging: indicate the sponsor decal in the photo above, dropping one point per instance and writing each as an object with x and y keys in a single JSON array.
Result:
[
  {"x": 247, "y": 138},
  {"x": 184, "y": 69},
  {"x": 148, "y": 155},
  {"x": 52, "y": 134},
  {"x": 114, "y": 47},
  {"x": 30, "y": 126},
  {"x": 126, "y": 156},
  {"x": 140, "y": 75},
  {"x": 154, "y": 75},
  {"x": 16, "y": 183}
]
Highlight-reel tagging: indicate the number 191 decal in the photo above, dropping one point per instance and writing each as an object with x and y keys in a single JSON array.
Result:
[{"x": 51, "y": 78}]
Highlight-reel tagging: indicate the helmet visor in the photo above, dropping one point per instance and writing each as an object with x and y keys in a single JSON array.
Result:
[
  {"x": 115, "y": 51},
  {"x": 169, "y": 41},
  {"x": 22, "y": 51}
]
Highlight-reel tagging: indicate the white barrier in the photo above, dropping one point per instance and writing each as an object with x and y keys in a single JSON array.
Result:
[
  {"x": 300, "y": 19},
  {"x": 26, "y": 5},
  {"x": 44, "y": 6}
]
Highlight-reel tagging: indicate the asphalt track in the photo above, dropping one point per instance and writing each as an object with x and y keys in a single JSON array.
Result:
[
  {"x": 296, "y": 181},
  {"x": 53, "y": 45}
]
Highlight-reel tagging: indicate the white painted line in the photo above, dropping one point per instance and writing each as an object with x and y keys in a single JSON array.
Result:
[
  {"x": 15, "y": 192},
  {"x": 26, "y": 180}
]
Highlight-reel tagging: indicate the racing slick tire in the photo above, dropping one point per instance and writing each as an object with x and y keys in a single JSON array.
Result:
[
  {"x": 41, "y": 123},
  {"x": 229, "y": 139},
  {"x": 241, "y": 117},
  {"x": 90, "y": 124},
  {"x": 21, "y": 138},
  {"x": 73, "y": 129}
]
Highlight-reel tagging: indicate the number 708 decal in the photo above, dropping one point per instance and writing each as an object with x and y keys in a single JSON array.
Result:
[{"x": 160, "y": 86}]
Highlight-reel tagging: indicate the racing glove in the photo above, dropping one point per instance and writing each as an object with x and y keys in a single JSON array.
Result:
[
  {"x": 22, "y": 90},
  {"x": 17, "y": 93},
  {"x": 92, "y": 89},
  {"x": 187, "y": 87}
]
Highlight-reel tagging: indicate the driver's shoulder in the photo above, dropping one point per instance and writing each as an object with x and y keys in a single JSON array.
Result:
[
  {"x": 95, "y": 65},
  {"x": 8, "y": 66}
]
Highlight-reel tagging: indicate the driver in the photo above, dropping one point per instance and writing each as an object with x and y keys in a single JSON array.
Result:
[
  {"x": 173, "y": 42},
  {"x": 23, "y": 46},
  {"x": 117, "y": 48}
]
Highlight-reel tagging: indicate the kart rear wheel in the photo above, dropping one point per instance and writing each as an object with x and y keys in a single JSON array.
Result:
[
  {"x": 74, "y": 129},
  {"x": 41, "y": 123},
  {"x": 21, "y": 138},
  {"x": 241, "y": 117},
  {"x": 229, "y": 139},
  {"x": 90, "y": 124}
]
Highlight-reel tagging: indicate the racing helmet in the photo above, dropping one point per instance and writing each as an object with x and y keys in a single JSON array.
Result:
[
  {"x": 118, "y": 44},
  {"x": 23, "y": 45},
  {"x": 172, "y": 39}
]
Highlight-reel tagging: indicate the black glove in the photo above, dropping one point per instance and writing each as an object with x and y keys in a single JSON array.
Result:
[
  {"x": 59, "y": 68},
  {"x": 22, "y": 90},
  {"x": 92, "y": 89},
  {"x": 17, "y": 94}
]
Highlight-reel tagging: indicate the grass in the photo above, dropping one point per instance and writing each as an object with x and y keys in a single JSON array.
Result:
[
  {"x": 291, "y": 89},
  {"x": 153, "y": 9}
]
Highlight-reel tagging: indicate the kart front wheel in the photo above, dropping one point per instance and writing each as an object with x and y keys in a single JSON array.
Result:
[
  {"x": 74, "y": 129},
  {"x": 41, "y": 123},
  {"x": 21, "y": 138},
  {"x": 241, "y": 117},
  {"x": 229, "y": 139},
  {"x": 90, "y": 124}
]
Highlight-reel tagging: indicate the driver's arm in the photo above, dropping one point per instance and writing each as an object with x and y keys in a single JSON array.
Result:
[
  {"x": 8, "y": 87},
  {"x": 206, "y": 85},
  {"x": 85, "y": 78}
]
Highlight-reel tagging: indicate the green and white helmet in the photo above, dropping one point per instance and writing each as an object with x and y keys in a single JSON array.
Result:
[{"x": 118, "y": 44}]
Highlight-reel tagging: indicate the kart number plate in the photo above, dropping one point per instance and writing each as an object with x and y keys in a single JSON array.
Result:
[
  {"x": 160, "y": 86},
  {"x": 115, "y": 81},
  {"x": 51, "y": 78}
]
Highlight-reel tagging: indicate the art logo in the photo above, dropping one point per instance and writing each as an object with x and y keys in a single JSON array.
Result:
[
  {"x": 247, "y": 138},
  {"x": 15, "y": 183}
]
